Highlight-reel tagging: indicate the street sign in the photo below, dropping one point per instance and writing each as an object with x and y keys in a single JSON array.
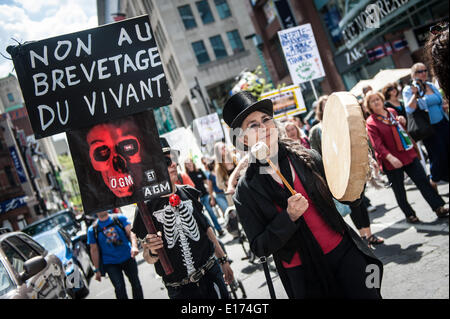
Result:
[
  {"x": 301, "y": 53},
  {"x": 81, "y": 79}
]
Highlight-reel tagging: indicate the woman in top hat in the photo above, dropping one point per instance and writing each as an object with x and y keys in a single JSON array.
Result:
[{"x": 316, "y": 253}]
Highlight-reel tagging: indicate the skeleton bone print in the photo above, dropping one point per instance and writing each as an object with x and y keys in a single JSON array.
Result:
[{"x": 179, "y": 225}]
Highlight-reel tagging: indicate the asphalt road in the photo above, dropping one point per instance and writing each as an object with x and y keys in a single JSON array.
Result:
[{"x": 415, "y": 257}]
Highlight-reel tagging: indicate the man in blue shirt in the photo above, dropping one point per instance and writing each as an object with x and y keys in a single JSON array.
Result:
[{"x": 113, "y": 248}]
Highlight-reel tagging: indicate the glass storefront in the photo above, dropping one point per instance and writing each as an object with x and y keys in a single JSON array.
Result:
[{"x": 395, "y": 40}]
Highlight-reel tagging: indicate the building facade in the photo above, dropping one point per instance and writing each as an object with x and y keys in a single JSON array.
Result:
[
  {"x": 35, "y": 161},
  {"x": 367, "y": 36},
  {"x": 271, "y": 16},
  {"x": 203, "y": 45}
]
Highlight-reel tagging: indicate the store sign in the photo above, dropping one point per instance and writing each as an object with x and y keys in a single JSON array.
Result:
[
  {"x": 11, "y": 204},
  {"x": 18, "y": 165},
  {"x": 301, "y": 53},
  {"x": 350, "y": 58},
  {"x": 371, "y": 17},
  {"x": 81, "y": 79},
  {"x": 284, "y": 12}
]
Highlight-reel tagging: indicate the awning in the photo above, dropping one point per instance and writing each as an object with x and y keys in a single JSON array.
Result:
[{"x": 380, "y": 80}]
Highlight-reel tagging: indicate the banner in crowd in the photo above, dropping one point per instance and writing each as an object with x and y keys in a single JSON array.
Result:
[
  {"x": 301, "y": 53},
  {"x": 287, "y": 101},
  {"x": 81, "y": 79},
  {"x": 119, "y": 162},
  {"x": 209, "y": 128}
]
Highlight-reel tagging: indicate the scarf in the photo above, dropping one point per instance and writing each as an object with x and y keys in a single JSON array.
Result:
[
  {"x": 320, "y": 282},
  {"x": 401, "y": 137}
]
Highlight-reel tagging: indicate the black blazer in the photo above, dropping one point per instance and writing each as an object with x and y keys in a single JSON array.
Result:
[{"x": 270, "y": 232}]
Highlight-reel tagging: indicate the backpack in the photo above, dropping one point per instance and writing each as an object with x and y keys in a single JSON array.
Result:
[{"x": 115, "y": 222}]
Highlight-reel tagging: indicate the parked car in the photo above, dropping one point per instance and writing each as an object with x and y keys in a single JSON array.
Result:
[
  {"x": 65, "y": 219},
  {"x": 75, "y": 259},
  {"x": 29, "y": 271}
]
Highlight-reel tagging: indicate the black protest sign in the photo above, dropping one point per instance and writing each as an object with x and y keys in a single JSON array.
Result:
[
  {"x": 89, "y": 77},
  {"x": 119, "y": 162}
]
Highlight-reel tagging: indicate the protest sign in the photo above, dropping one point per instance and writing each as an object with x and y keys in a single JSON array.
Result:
[
  {"x": 81, "y": 79},
  {"x": 209, "y": 128},
  {"x": 287, "y": 101},
  {"x": 301, "y": 53},
  {"x": 119, "y": 162}
]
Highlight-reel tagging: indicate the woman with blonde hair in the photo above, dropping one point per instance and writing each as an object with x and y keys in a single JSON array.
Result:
[
  {"x": 225, "y": 165},
  {"x": 395, "y": 153},
  {"x": 423, "y": 95},
  {"x": 295, "y": 133}
]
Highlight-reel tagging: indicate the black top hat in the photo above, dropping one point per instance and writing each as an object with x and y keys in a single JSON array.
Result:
[
  {"x": 240, "y": 105},
  {"x": 165, "y": 146}
]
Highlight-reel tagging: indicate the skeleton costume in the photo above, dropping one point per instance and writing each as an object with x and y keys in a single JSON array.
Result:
[{"x": 185, "y": 239}]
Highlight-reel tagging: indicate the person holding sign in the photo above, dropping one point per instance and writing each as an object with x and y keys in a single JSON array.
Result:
[
  {"x": 316, "y": 253},
  {"x": 201, "y": 267}
]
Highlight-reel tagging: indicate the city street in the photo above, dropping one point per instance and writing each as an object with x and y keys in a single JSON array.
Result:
[{"x": 415, "y": 258}]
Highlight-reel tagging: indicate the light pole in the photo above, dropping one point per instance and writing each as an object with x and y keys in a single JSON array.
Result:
[{"x": 199, "y": 90}]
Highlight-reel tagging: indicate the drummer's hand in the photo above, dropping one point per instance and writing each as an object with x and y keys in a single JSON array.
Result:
[
  {"x": 394, "y": 161},
  {"x": 297, "y": 205},
  {"x": 402, "y": 120},
  {"x": 153, "y": 242}
]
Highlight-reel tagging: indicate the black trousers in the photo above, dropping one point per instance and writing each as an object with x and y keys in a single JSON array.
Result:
[
  {"x": 417, "y": 174},
  {"x": 437, "y": 147},
  {"x": 211, "y": 286},
  {"x": 360, "y": 216},
  {"x": 350, "y": 269}
]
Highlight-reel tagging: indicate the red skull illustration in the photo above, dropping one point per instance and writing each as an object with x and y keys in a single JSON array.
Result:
[{"x": 112, "y": 148}]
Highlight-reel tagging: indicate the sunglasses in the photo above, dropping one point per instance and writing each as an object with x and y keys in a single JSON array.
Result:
[
  {"x": 438, "y": 28},
  {"x": 168, "y": 160},
  {"x": 421, "y": 71}
]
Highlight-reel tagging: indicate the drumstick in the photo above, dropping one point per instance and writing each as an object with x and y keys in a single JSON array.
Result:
[{"x": 261, "y": 151}]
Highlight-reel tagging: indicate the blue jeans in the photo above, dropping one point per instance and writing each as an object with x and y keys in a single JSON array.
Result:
[
  {"x": 211, "y": 286},
  {"x": 205, "y": 201},
  {"x": 130, "y": 268},
  {"x": 221, "y": 200}
]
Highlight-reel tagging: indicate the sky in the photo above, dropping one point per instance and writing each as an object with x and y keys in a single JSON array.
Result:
[{"x": 33, "y": 20}]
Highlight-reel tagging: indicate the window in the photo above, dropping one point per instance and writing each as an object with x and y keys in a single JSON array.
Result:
[
  {"x": 235, "y": 41},
  {"x": 148, "y": 6},
  {"x": 6, "y": 283},
  {"x": 10, "y": 97},
  {"x": 14, "y": 258},
  {"x": 38, "y": 248},
  {"x": 200, "y": 52},
  {"x": 223, "y": 9},
  {"x": 218, "y": 46},
  {"x": 205, "y": 11},
  {"x": 173, "y": 72},
  {"x": 160, "y": 37},
  {"x": 187, "y": 17},
  {"x": 22, "y": 247}
]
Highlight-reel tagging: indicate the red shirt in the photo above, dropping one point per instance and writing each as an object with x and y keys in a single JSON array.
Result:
[
  {"x": 383, "y": 143},
  {"x": 185, "y": 180},
  {"x": 327, "y": 238}
]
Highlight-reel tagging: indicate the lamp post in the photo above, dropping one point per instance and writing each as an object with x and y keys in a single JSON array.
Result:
[{"x": 199, "y": 90}]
